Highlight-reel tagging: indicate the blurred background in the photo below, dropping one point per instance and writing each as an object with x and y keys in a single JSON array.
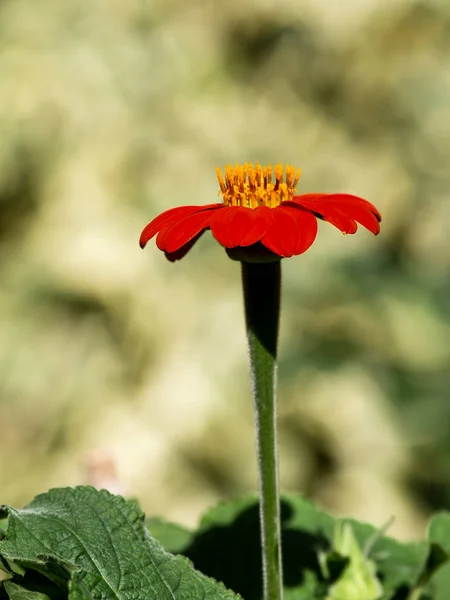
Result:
[{"x": 120, "y": 369}]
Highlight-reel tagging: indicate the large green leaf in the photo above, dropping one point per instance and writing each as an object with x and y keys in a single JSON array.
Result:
[
  {"x": 316, "y": 562},
  {"x": 439, "y": 534},
  {"x": 227, "y": 547},
  {"x": 96, "y": 545}
]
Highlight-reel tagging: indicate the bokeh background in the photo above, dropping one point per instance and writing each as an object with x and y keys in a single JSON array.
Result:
[{"x": 121, "y": 369}]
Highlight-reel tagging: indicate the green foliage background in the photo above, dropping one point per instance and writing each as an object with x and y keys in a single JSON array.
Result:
[{"x": 113, "y": 111}]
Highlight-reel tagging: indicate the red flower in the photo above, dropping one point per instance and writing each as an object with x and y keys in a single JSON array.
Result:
[{"x": 259, "y": 209}]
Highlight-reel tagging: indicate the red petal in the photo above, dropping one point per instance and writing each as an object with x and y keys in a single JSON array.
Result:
[
  {"x": 240, "y": 226},
  {"x": 342, "y": 210},
  {"x": 181, "y": 252},
  {"x": 283, "y": 235},
  {"x": 316, "y": 202},
  {"x": 180, "y": 233},
  {"x": 350, "y": 200},
  {"x": 360, "y": 214},
  {"x": 220, "y": 225},
  {"x": 306, "y": 223},
  {"x": 166, "y": 219},
  {"x": 336, "y": 218}
]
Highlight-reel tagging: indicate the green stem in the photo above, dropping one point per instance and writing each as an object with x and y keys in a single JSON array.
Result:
[
  {"x": 415, "y": 594},
  {"x": 261, "y": 285}
]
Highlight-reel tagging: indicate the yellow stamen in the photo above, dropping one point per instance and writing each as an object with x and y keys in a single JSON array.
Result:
[
  {"x": 253, "y": 186},
  {"x": 223, "y": 187}
]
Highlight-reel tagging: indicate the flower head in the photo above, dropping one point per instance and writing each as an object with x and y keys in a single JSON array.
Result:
[{"x": 259, "y": 212}]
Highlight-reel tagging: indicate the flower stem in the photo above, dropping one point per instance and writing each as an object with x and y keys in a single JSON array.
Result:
[{"x": 261, "y": 285}]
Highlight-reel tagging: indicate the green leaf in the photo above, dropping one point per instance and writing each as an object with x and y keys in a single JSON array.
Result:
[
  {"x": 101, "y": 543},
  {"x": 436, "y": 558},
  {"x": 3, "y": 523},
  {"x": 174, "y": 538},
  {"x": 226, "y": 547},
  {"x": 17, "y": 592},
  {"x": 399, "y": 565},
  {"x": 358, "y": 580},
  {"x": 440, "y": 583},
  {"x": 439, "y": 536},
  {"x": 439, "y": 530},
  {"x": 34, "y": 582}
]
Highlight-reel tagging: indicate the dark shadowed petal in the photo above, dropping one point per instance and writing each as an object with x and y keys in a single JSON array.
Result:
[
  {"x": 180, "y": 233},
  {"x": 306, "y": 223},
  {"x": 239, "y": 226},
  {"x": 181, "y": 252},
  {"x": 282, "y": 238},
  {"x": 167, "y": 218}
]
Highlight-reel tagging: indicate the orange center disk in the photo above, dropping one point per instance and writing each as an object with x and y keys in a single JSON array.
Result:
[{"x": 252, "y": 186}]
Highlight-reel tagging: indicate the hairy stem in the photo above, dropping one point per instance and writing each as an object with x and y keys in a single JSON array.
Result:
[{"x": 261, "y": 285}]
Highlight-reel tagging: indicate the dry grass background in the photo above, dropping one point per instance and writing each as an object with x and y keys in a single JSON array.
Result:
[{"x": 120, "y": 368}]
